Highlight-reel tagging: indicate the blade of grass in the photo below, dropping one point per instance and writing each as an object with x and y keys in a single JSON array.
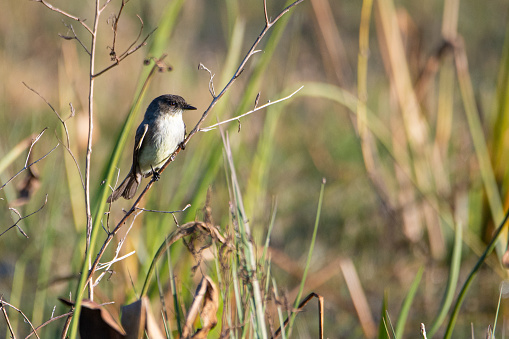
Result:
[
  {"x": 310, "y": 253},
  {"x": 279, "y": 311},
  {"x": 246, "y": 247},
  {"x": 383, "y": 332},
  {"x": 452, "y": 281},
  {"x": 479, "y": 140},
  {"x": 407, "y": 304},
  {"x": 470, "y": 278},
  {"x": 498, "y": 309}
]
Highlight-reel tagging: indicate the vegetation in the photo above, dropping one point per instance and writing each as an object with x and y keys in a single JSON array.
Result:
[{"x": 379, "y": 187}]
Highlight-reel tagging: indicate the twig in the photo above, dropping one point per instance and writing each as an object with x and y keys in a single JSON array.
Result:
[
  {"x": 4, "y": 312},
  {"x": 114, "y": 26},
  {"x": 53, "y": 8},
  {"x": 124, "y": 55},
  {"x": 75, "y": 37},
  {"x": 171, "y": 212},
  {"x": 49, "y": 321},
  {"x": 62, "y": 121},
  {"x": 251, "y": 52},
  {"x": 34, "y": 140},
  {"x": 115, "y": 259},
  {"x": 106, "y": 4},
  {"x": 21, "y": 218},
  {"x": 4, "y": 303},
  {"x": 211, "y": 127},
  {"x": 301, "y": 306},
  {"x": 211, "y": 81},
  {"x": 55, "y": 111},
  {"x": 28, "y": 166}
]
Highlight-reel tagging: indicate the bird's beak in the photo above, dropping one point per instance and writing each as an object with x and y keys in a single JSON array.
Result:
[{"x": 189, "y": 108}]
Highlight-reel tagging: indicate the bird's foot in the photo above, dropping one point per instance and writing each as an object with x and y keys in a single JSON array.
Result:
[
  {"x": 182, "y": 145},
  {"x": 156, "y": 175}
]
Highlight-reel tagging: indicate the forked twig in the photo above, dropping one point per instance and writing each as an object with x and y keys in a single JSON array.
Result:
[
  {"x": 31, "y": 164},
  {"x": 125, "y": 54},
  {"x": 53, "y": 8},
  {"x": 301, "y": 306},
  {"x": 74, "y": 37},
  {"x": 52, "y": 319},
  {"x": 62, "y": 121},
  {"x": 21, "y": 218},
  {"x": 4, "y": 303},
  {"x": 211, "y": 127}
]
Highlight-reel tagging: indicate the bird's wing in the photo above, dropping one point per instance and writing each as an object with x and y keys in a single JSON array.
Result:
[{"x": 138, "y": 141}]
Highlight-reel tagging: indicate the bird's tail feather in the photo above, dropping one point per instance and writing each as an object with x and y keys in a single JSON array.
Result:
[{"x": 127, "y": 188}]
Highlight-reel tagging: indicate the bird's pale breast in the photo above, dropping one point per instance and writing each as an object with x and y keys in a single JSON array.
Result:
[{"x": 165, "y": 134}]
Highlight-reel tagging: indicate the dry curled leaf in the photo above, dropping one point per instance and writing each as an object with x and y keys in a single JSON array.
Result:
[
  {"x": 96, "y": 322},
  {"x": 208, "y": 296},
  {"x": 138, "y": 318}
]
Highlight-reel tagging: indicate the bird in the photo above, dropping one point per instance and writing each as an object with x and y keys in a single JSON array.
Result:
[{"x": 157, "y": 137}]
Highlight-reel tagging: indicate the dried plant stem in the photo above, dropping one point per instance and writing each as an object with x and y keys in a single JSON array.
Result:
[
  {"x": 89, "y": 142},
  {"x": 211, "y": 127}
]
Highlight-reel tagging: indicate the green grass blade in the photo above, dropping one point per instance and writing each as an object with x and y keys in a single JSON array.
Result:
[
  {"x": 462, "y": 295},
  {"x": 383, "y": 332},
  {"x": 310, "y": 253},
  {"x": 498, "y": 308},
  {"x": 452, "y": 281},
  {"x": 407, "y": 303}
]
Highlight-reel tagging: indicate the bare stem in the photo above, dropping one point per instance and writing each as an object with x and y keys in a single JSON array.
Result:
[
  {"x": 211, "y": 127},
  {"x": 53, "y": 8},
  {"x": 89, "y": 143}
]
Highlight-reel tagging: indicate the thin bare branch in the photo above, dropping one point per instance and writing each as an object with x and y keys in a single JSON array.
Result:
[
  {"x": 106, "y": 4},
  {"x": 52, "y": 319},
  {"x": 125, "y": 55},
  {"x": 4, "y": 312},
  {"x": 107, "y": 266},
  {"x": 4, "y": 303},
  {"x": 114, "y": 26},
  {"x": 239, "y": 70},
  {"x": 211, "y": 81},
  {"x": 267, "y": 22},
  {"x": 284, "y": 11},
  {"x": 74, "y": 37},
  {"x": 300, "y": 307},
  {"x": 34, "y": 140},
  {"x": 53, "y": 8},
  {"x": 24, "y": 168},
  {"x": 170, "y": 212},
  {"x": 257, "y": 100},
  {"x": 211, "y": 127},
  {"x": 21, "y": 218},
  {"x": 137, "y": 38},
  {"x": 73, "y": 158},
  {"x": 55, "y": 111},
  {"x": 68, "y": 145}
]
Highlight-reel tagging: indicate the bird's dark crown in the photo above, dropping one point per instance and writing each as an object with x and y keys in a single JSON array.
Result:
[{"x": 172, "y": 102}]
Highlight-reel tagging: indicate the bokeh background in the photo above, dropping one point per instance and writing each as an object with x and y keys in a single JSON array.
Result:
[{"x": 429, "y": 156}]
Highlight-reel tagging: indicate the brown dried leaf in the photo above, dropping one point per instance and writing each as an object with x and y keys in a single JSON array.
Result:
[
  {"x": 96, "y": 322},
  {"x": 137, "y": 317},
  {"x": 208, "y": 296}
]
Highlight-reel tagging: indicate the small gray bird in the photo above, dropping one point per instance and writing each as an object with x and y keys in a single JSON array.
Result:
[{"x": 158, "y": 136}]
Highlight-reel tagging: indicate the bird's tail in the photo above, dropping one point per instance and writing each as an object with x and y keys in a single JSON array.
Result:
[{"x": 127, "y": 188}]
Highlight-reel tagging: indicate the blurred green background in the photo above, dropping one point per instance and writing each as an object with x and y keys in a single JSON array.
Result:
[{"x": 395, "y": 191}]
